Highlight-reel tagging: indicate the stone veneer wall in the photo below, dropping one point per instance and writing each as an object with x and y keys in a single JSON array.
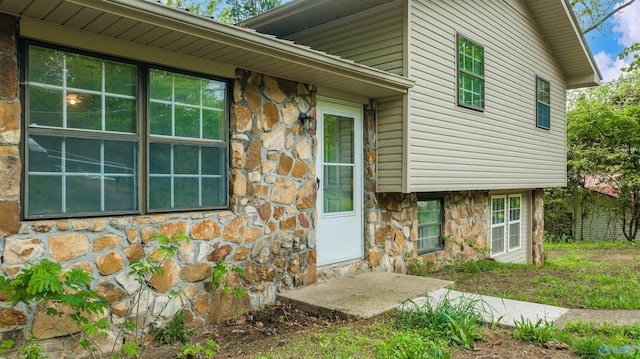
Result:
[
  {"x": 268, "y": 231},
  {"x": 537, "y": 250}
]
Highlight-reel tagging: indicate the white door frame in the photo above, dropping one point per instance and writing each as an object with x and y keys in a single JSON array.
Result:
[{"x": 340, "y": 235}]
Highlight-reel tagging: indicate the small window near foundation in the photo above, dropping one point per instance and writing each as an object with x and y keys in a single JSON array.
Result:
[{"x": 429, "y": 225}]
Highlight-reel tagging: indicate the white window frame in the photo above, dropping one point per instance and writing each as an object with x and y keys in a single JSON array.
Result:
[{"x": 506, "y": 224}]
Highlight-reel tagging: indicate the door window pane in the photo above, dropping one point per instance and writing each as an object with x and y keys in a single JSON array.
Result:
[
  {"x": 337, "y": 189},
  {"x": 338, "y": 139}
]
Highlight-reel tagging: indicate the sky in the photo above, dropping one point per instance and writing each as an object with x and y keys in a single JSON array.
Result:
[{"x": 605, "y": 47}]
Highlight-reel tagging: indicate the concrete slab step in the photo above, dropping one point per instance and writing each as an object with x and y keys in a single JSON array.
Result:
[{"x": 361, "y": 296}]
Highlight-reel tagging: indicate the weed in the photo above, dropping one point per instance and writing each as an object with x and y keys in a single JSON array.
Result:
[
  {"x": 195, "y": 351},
  {"x": 454, "y": 319},
  {"x": 410, "y": 344},
  {"x": 174, "y": 331},
  {"x": 539, "y": 332},
  {"x": 223, "y": 285},
  {"x": 32, "y": 350}
]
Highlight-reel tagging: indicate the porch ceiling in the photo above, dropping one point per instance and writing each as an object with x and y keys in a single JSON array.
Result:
[{"x": 154, "y": 25}]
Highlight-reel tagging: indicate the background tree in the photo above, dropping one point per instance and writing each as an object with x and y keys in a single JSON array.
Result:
[{"x": 230, "y": 11}]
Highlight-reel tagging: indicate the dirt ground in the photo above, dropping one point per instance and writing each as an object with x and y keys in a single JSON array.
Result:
[{"x": 255, "y": 334}]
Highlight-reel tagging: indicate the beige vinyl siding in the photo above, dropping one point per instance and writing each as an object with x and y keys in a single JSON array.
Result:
[
  {"x": 373, "y": 37},
  {"x": 600, "y": 222},
  {"x": 452, "y": 148},
  {"x": 390, "y": 132},
  {"x": 520, "y": 255}
]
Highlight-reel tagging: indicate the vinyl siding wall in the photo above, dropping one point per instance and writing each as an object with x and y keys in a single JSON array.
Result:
[
  {"x": 390, "y": 130},
  {"x": 373, "y": 37},
  {"x": 452, "y": 148}
]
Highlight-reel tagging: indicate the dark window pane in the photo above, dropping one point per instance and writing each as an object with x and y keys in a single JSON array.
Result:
[
  {"x": 187, "y": 121},
  {"x": 121, "y": 78},
  {"x": 213, "y": 125},
  {"x": 85, "y": 113},
  {"x": 214, "y": 192},
  {"x": 82, "y": 156},
  {"x": 544, "y": 116},
  {"x": 83, "y": 193},
  {"x": 187, "y": 89},
  {"x": 160, "y": 118},
  {"x": 120, "y": 193},
  {"x": 45, "y": 154},
  {"x": 84, "y": 72},
  {"x": 213, "y": 160},
  {"x": 161, "y": 85},
  {"x": 44, "y": 195},
  {"x": 187, "y": 192},
  {"x": 159, "y": 158},
  {"x": 121, "y": 115},
  {"x": 186, "y": 159},
  {"x": 45, "y": 106},
  {"x": 159, "y": 192},
  {"x": 46, "y": 66},
  {"x": 120, "y": 157}
]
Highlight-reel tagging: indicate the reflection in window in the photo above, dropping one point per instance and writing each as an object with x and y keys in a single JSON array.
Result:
[
  {"x": 429, "y": 225},
  {"x": 338, "y": 164}
]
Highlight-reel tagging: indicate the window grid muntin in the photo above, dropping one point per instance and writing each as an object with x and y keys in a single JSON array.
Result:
[
  {"x": 175, "y": 140},
  {"x": 510, "y": 216},
  {"x": 141, "y": 122},
  {"x": 423, "y": 241},
  {"x": 543, "y": 103},
  {"x": 476, "y": 76}
]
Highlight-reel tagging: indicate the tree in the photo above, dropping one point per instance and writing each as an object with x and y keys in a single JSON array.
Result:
[
  {"x": 233, "y": 11},
  {"x": 593, "y": 15},
  {"x": 603, "y": 139}
]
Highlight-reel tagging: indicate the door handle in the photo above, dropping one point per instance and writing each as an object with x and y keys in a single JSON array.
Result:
[{"x": 317, "y": 183}]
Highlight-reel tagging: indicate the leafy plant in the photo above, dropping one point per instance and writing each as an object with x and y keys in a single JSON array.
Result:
[
  {"x": 198, "y": 350},
  {"x": 410, "y": 344},
  {"x": 32, "y": 350},
  {"x": 539, "y": 332},
  {"x": 223, "y": 285},
  {"x": 60, "y": 293},
  {"x": 174, "y": 331},
  {"x": 6, "y": 345}
]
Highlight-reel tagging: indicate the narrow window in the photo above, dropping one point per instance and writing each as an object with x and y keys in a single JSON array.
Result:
[
  {"x": 429, "y": 225},
  {"x": 470, "y": 74},
  {"x": 506, "y": 223},
  {"x": 543, "y": 103}
]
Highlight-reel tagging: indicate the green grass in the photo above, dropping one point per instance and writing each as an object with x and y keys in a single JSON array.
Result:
[{"x": 575, "y": 275}]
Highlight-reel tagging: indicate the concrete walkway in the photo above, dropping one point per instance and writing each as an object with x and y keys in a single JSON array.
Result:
[{"x": 370, "y": 294}]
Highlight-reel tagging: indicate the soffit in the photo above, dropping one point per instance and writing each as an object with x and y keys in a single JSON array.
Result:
[
  {"x": 154, "y": 25},
  {"x": 300, "y": 15},
  {"x": 554, "y": 18},
  {"x": 561, "y": 31}
]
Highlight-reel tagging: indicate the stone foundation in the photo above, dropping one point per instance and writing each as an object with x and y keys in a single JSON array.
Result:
[{"x": 269, "y": 230}]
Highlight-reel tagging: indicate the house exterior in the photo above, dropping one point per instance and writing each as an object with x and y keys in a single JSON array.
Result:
[
  {"x": 437, "y": 126},
  {"x": 596, "y": 215}
]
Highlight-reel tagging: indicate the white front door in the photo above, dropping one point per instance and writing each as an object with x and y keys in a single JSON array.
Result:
[{"x": 339, "y": 169}]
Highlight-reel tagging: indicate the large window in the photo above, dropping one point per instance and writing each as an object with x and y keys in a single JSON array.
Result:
[
  {"x": 543, "y": 103},
  {"x": 505, "y": 223},
  {"x": 470, "y": 74},
  {"x": 429, "y": 225},
  {"x": 84, "y": 145}
]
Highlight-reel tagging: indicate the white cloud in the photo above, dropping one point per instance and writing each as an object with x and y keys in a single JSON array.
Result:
[
  {"x": 610, "y": 65},
  {"x": 626, "y": 28},
  {"x": 627, "y": 23}
]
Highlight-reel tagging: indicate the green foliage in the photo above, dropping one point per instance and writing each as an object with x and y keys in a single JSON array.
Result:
[
  {"x": 539, "y": 332},
  {"x": 174, "y": 331},
  {"x": 32, "y": 350},
  {"x": 411, "y": 344},
  {"x": 456, "y": 320},
  {"x": 200, "y": 351},
  {"x": 223, "y": 285},
  {"x": 6, "y": 345}
]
